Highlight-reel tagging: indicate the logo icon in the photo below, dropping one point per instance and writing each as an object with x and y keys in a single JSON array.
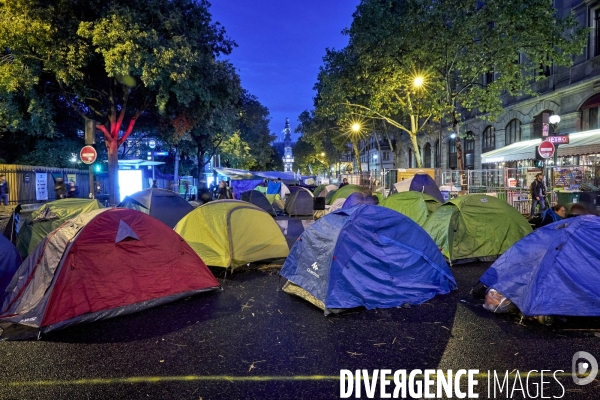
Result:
[
  {"x": 315, "y": 266},
  {"x": 584, "y": 368}
]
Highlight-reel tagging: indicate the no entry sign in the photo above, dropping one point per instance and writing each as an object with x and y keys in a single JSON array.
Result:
[
  {"x": 546, "y": 149},
  {"x": 88, "y": 155}
]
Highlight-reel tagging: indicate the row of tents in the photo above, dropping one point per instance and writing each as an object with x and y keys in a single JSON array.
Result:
[{"x": 86, "y": 265}]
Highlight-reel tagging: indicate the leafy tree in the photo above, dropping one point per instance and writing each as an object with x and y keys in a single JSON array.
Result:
[
  {"x": 325, "y": 137},
  {"x": 254, "y": 130},
  {"x": 457, "y": 42},
  {"x": 236, "y": 153},
  {"x": 114, "y": 61}
]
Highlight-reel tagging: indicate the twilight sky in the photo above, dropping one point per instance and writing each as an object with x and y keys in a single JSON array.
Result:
[{"x": 281, "y": 44}]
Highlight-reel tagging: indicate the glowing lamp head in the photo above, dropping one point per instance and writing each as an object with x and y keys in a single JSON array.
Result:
[
  {"x": 554, "y": 119},
  {"x": 418, "y": 82}
]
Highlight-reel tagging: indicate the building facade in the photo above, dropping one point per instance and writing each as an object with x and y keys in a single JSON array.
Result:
[{"x": 573, "y": 93}]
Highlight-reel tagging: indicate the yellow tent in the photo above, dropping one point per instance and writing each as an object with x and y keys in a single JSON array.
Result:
[{"x": 230, "y": 233}]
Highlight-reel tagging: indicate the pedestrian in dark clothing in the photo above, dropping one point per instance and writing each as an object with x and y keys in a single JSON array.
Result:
[
  {"x": 553, "y": 214},
  {"x": 538, "y": 193},
  {"x": 73, "y": 190},
  {"x": 60, "y": 189},
  {"x": 344, "y": 183},
  {"x": 3, "y": 190},
  {"x": 154, "y": 184},
  {"x": 223, "y": 192}
]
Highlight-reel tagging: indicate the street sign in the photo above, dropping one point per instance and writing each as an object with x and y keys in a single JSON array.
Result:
[
  {"x": 546, "y": 149},
  {"x": 88, "y": 155},
  {"x": 559, "y": 139},
  {"x": 161, "y": 153}
]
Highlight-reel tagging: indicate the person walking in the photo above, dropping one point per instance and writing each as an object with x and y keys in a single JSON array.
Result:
[
  {"x": 538, "y": 193},
  {"x": 3, "y": 190},
  {"x": 60, "y": 188}
]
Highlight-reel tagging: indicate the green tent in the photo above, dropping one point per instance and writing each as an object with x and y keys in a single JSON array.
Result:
[
  {"x": 415, "y": 205},
  {"x": 49, "y": 217},
  {"x": 230, "y": 233},
  {"x": 476, "y": 226},
  {"x": 345, "y": 191}
]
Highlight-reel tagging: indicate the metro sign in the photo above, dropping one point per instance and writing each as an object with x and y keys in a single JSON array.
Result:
[
  {"x": 558, "y": 139},
  {"x": 546, "y": 149},
  {"x": 88, "y": 155}
]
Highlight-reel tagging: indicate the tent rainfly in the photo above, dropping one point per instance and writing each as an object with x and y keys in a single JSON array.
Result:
[
  {"x": 164, "y": 205},
  {"x": 366, "y": 256},
  {"x": 99, "y": 265},
  {"x": 231, "y": 233}
]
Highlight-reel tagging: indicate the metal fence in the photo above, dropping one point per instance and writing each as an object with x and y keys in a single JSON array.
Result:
[
  {"x": 508, "y": 184},
  {"x": 22, "y": 182}
]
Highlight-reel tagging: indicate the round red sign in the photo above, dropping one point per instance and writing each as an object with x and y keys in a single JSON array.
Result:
[
  {"x": 546, "y": 149},
  {"x": 88, "y": 155}
]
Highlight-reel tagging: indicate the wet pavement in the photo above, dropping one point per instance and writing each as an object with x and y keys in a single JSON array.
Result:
[{"x": 253, "y": 341}]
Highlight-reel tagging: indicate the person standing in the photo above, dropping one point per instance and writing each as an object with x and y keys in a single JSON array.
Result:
[
  {"x": 73, "y": 191},
  {"x": 344, "y": 183},
  {"x": 154, "y": 184},
  {"x": 60, "y": 188},
  {"x": 538, "y": 193},
  {"x": 223, "y": 191},
  {"x": 3, "y": 190}
]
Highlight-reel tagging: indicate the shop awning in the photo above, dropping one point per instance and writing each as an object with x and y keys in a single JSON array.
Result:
[
  {"x": 513, "y": 152},
  {"x": 581, "y": 143}
]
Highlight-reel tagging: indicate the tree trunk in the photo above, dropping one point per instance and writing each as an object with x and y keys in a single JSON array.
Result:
[
  {"x": 113, "y": 171},
  {"x": 201, "y": 164},
  {"x": 357, "y": 156},
  {"x": 459, "y": 156},
  {"x": 415, "y": 145},
  {"x": 176, "y": 171}
]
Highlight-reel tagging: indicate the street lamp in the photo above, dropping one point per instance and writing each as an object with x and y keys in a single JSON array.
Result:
[
  {"x": 356, "y": 127},
  {"x": 418, "y": 81},
  {"x": 554, "y": 121}
]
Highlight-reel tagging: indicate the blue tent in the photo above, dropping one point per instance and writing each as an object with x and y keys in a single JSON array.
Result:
[
  {"x": 10, "y": 260},
  {"x": 367, "y": 256},
  {"x": 419, "y": 183},
  {"x": 553, "y": 271},
  {"x": 360, "y": 198}
]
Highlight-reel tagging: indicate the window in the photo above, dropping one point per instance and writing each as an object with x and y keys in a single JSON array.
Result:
[
  {"x": 589, "y": 113},
  {"x": 427, "y": 156},
  {"x": 452, "y": 153},
  {"x": 488, "y": 141},
  {"x": 470, "y": 151},
  {"x": 513, "y": 132}
]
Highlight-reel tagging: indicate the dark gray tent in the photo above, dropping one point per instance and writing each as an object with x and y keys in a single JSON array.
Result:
[
  {"x": 299, "y": 203},
  {"x": 258, "y": 199},
  {"x": 164, "y": 205},
  {"x": 10, "y": 259}
]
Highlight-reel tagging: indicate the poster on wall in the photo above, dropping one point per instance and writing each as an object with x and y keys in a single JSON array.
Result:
[
  {"x": 567, "y": 177},
  {"x": 72, "y": 178},
  {"x": 41, "y": 186}
]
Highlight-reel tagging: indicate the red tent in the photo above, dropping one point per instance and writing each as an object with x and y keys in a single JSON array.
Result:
[{"x": 101, "y": 264}]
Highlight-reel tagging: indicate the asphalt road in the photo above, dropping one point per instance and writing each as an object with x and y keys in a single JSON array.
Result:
[{"x": 253, "y": 341}]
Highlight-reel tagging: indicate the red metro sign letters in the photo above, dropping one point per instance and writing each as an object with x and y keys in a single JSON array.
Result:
[
  {"x": 546, "y": 149},
  {"x": 88, "y": 155}
]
